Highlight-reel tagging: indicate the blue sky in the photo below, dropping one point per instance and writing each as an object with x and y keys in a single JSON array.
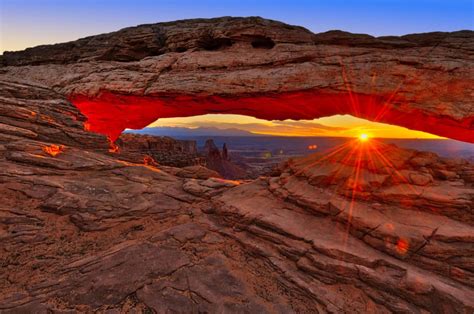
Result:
[{"x": 26, "y": 23}]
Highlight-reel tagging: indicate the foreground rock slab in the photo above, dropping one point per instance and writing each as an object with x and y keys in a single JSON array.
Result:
[{"x": 83, "y": 231}]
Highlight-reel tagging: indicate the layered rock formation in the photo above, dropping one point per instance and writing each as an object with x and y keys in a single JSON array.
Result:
[
  {"x": 154, "y": 149},
  {"x": 220, "y": 162},
  {"x": 166, "y": 151},
  {"x": 262, "y": 68},
  {"x": 365, "y": 228}
]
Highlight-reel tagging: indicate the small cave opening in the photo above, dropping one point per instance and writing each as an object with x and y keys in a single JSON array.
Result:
[
  {"x": 209, "y": 42},
  {"x": 180, "y": 49},
  {"x": 262, "y": 42}
]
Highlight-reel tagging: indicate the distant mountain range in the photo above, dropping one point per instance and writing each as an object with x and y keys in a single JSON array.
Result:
[
  {"x": 191, "y": 132},
  {"x": 299, "y": 145}
]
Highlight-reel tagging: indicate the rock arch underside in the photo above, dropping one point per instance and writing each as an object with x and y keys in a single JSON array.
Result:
[{"x": 368, "y": 228}]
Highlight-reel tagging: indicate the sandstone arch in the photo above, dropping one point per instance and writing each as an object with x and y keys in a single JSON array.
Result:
[{"x": 262, "y": 68}]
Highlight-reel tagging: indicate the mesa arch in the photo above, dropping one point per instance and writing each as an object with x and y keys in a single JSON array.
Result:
[
  {"x": 111, "y": 114},
  {"x": 261, "y": 68}
]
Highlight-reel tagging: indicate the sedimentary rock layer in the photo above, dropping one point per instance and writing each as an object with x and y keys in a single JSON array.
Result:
[{"x": 155, "y": 150}]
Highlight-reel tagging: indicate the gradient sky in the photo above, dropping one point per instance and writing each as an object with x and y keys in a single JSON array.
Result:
[
  {"x": 338, "y": 125},
  {"x": 27, "y": 23}
]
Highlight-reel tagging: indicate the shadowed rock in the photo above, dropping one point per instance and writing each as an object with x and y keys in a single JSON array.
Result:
[
  {"x": 154, "y": 150},
  {"x": 219, "y": 161}
]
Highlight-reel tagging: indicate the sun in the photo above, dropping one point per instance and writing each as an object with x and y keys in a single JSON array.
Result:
[{"x": 363, "y": 137}]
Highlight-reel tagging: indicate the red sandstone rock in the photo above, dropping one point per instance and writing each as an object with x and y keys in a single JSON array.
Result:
[
  {"x": 157, "y": 150},
  {"x": 196, "y": 172},
  {"x": 219, "y": 162}
]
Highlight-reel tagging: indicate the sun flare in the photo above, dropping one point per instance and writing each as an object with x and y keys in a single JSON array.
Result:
[{"x": 363, "y": 137}]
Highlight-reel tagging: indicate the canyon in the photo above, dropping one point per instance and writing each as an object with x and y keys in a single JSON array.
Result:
[
  {"x": 367, "y": 227},
  {"x": 157, "y": 150}
]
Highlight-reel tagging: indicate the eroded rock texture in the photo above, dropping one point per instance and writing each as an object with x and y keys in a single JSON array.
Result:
[
  {"x": 219, "y": 161},
  {"x": 155, "y": 150},
  {"x": 262, "y": 68},
  {"x": 365, "y": 228}
]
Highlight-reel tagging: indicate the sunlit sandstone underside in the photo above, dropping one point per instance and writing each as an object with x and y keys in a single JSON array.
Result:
[
  {"x": 259, "y": 68},
  {"x": 111, "y": 113}
]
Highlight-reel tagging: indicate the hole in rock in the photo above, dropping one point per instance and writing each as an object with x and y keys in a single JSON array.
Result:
[
  {"x": 111, "y": 113},
  {"x": 181, "y": 49},
  {"x": 209, "y": 42},
  {"x": 239, "y": 147},
  {"x": 263, "y": 42}
]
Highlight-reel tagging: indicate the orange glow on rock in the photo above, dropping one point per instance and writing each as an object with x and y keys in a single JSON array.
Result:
[
  {"x": 312, "y": 147},
  {"x": 402, "y": 246},
  {"x": 53, "y": 150},
  {"x": 149, "y": 161},
  {"x": 113, "y": 148},
  {"x": 111, "y": 113},
  {"x": 390, "y": 226}
]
